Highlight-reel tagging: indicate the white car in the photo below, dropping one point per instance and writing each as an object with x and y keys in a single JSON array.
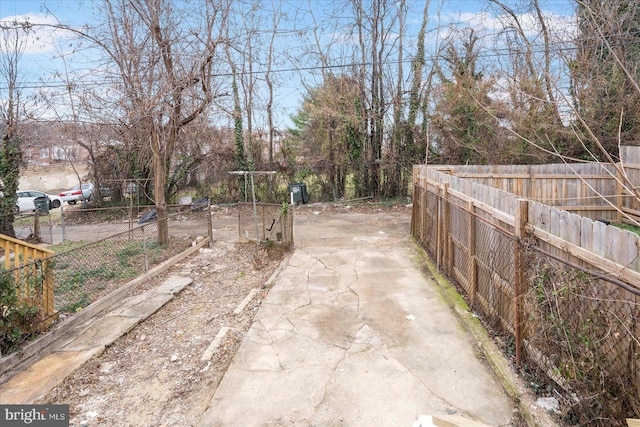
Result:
[
  {"x": 78, "y": 194},
  {"x": 26, "y": 199}
]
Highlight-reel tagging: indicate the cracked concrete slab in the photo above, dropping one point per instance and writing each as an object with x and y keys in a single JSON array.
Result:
[
  {"x": 295, "y": 398},
  {"x": 31, "y": 384},
  {"x": 354, "y": 333},
  {"x": 89, "y": 336},
  {"x": 103, "y": 332},
  {"x": 174, "y": 284},
  {"x": 142, "y": 306}
]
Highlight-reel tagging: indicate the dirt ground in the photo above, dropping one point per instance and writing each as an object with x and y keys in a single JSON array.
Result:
[{"x": 154, "y": 375}]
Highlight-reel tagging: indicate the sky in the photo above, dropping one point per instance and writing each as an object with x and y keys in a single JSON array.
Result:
[{"x": 48, "y": 53}]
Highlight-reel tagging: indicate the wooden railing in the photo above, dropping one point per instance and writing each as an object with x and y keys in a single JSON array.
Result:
[{"x": 30, "y": 268}]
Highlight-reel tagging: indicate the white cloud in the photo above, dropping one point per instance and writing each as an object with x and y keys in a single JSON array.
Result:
[
  {"x": 563, "y": 26},
  {"x": 42, "y": 37}
]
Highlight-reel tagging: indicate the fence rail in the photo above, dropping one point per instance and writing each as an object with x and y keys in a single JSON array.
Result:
[
  {"x": 28, "y": 264},
  {"x": 592, "y": 190},
  {"x": 87, "y": 223},
  {"x": 63, "y": 283},
  {"x": 563, "y": 290}
]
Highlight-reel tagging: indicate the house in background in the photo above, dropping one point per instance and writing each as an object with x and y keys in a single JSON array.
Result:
[{"x": 47, "y": 144}]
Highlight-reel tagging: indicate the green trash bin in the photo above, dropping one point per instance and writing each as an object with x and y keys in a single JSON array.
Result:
[
  {"x": 42, "y": 205},
  {"x": 298, "y": 192}
]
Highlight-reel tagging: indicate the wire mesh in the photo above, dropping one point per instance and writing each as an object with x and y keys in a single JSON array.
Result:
[
  {"x": 33, "y": 227},
  {"x": 459, "y": 251},
  {"x": 90, "y": 224},
  {"x": 264, "y": 222},
  {"x": 87, "y": 271},
  {"x": 581, "y": 328},
  {"x": 84, "y": 274},
  {"x": 584, "y": 333},
  {"x": 495, "y": 272},
  {"x": 424, "y": 219}
]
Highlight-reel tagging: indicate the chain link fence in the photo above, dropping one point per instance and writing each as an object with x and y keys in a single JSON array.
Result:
[
  {"x": 578, "y": 329},
  {"x": 81, "y": 223},
  {"x": 93, "y": 266},
  {"x": 266, "y": 223},
  {"x": 582, "y": 332},
  {"x": 88, "y": 272}
]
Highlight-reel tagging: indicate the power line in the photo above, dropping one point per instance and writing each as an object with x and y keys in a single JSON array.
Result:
[{"x": 494, "y": 53}]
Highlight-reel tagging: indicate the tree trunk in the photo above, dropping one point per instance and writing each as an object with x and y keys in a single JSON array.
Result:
[
  {"x": 398, "y": 140},
  {"x": 159, "y": 180}
]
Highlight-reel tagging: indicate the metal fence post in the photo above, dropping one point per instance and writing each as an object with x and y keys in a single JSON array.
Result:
[
  {"x": 36, "y": 225},
  {"x": 50, "y": 228},
  {"x": 209, "y": 224},
  {"x": 287, "y": 225},
  {"x": 521, "y": 217},
  {"x": 144, "y": 250},
  {"x": 62, "y": 222},
  {"x": 130, "y": 214}
]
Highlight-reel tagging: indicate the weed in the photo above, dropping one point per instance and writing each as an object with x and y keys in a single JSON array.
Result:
[
  {"x": 80, "y": 302},
  {"x": 18, "y": 317},
  {"x": 125, "y": 254}
]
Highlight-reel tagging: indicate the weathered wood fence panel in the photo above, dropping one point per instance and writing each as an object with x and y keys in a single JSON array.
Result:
[
  {"x": 515, "y": 257},
  {"x": 588, "y": 189},
  {"x": 567, "y": 233},
  {"x": 630, "y": 161}
]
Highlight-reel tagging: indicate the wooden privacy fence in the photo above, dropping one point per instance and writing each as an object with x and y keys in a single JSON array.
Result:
[
  {"x": 592, "y": 190},
  {"x": 564, "y": 288},
  {"x": 28, "y": 265}
]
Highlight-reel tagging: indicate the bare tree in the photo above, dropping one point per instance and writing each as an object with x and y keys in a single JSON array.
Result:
[
  {"x": 277, "y": 16},
  {"x": 463, "y": 112},
  {"x": 606, "y": 70},
  {"x": 535, "y": 109},
  {"x": 13, "y": 42},
  {"x": 162, "y": 56},
  {"x": 416, "y": 148},
  {"x": 248, "y": 46},
  {"x": 372, "y": 27},
  {"x": 606, "y": 61},
  {"x": 398, "y": 142}
]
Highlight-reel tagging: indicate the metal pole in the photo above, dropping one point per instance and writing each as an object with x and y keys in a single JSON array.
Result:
[
  {"x": 255, "y": 210},
  {"x": 209, "y": 224},
  {"x": 130, "y": 209},
  {"x": 246, "y": 196},
  {"x": 51, "y": 229},
  {"x": 36, "y": 225},
  {"x": 62, "y": 221},
  {"x": 144, "y": 250}
]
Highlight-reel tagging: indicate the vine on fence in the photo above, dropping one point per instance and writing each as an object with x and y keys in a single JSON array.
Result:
[
  {"x": 578, "y": 323},
  {"x": 19, "y": 316}
]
